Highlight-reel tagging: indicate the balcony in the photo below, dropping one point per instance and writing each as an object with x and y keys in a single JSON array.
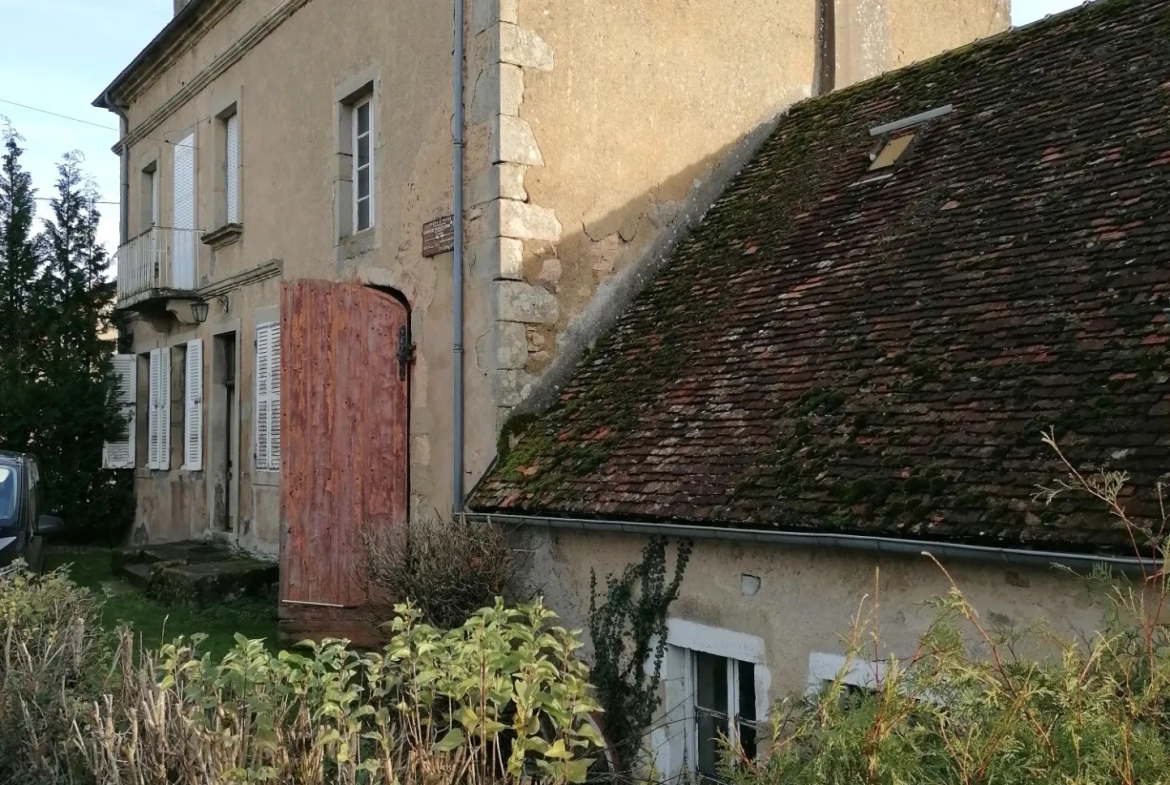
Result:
[{"x": 158, "y": 264}]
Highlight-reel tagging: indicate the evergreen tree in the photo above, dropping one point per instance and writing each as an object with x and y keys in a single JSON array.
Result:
[
  {"x": 20, "y": 311},
  {"x": 81, "y": 410},
  {"x": 57, "y": 389}
]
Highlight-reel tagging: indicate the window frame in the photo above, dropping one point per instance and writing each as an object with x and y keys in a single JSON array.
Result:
[
  {"x": 825, "y": 668},
  {"x": 365, "y": 101},
  {"x": 676, "y": 738}
]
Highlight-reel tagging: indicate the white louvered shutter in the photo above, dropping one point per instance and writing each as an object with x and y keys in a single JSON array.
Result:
[
  {"x": 120, "y": 454},
  {"x": 193, "y": 420},
  {"x": 183, "y": 224},
  {"x": 152, "y": 427},
  {"x": 164, "y": 409},
  {"x": 263, "y": 385},
  {"x": 233, "y": 169},
  {"x": 274, "y": 396}
]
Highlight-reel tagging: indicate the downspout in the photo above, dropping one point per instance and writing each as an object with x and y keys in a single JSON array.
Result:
[
  {"x": 124, "y": 174},
  {"x": 457, "y": 272}
]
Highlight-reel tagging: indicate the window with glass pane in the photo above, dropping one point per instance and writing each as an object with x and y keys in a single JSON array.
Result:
[
  {"x": 363, "y": 166},
  {"x": 725, "y": 708}
]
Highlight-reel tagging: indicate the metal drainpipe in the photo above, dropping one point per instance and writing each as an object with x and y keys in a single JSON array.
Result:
[
  {"x": 457, "y": 270},
  {"x": 124, "y": 174}
]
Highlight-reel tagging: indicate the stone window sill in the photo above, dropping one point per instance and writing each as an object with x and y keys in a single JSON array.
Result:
[
  {"x": 354, "y": 245},
  {"x": 224, "y": 235}
]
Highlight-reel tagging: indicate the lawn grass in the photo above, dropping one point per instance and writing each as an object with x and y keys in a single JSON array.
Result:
[{"x": 155, "y": 622}]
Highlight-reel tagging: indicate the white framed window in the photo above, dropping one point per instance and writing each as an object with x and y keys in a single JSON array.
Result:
[
  {"x": 183, "y": 233},
  {"x": 193, "y": 408},
  {"x": 363, "y": 165},
  {"x": 267, "y": 411},
  {"x": 232, "y": 167},
  {"x": 158, "y": 453},
  {"x": 716, "y": 686},
  {"x": 857, "y": 676}
]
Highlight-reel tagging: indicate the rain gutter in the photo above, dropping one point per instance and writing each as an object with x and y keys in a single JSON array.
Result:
[{"x": 853, "y": 542}]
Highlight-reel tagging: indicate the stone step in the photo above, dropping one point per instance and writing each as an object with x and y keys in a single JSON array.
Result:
[{"x": 198, "y": 572}]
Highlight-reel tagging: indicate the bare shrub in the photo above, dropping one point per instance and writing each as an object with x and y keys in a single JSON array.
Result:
[
  {"x": 52, "y": 663},
  {"x": 448, "y": 569}
]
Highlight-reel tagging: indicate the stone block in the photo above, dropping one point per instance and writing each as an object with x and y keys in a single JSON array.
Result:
[
  {"x": 511, "y": 89},
  {"x": 512, "y": 345},
  {"x": 524, "y": 48},
  {"x": 511, "y": 386},
  {"x": 511, "y": 258},
  {"x": 526, "y": 221},
  {"x": 514, "y": 142},
  {"x": 523, "y": 302}
]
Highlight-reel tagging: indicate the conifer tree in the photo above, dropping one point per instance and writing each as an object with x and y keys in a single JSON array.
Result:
[
  {"x": 57, "y": 389},
  {"x": 81, "y": 410}
]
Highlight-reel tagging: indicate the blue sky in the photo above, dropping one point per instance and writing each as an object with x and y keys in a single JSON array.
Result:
[{"x": 59, "y": 54}]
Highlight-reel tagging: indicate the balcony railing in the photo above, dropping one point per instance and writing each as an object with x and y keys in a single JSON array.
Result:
[{"x": 161, "y": 258}]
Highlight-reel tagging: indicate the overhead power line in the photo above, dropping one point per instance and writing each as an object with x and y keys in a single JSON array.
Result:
[
  {"x": 86, "y": 122},
  {"x": 58, "y": 114},
  {"x": 49, "y": 199}
]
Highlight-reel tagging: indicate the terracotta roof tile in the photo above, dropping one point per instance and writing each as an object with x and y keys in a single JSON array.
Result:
[{"x": 882, "y": 357}]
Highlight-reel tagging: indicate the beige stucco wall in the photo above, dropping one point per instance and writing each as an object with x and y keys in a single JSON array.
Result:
[
  {"x": 616, "y": 112},
  {"x": 807, "y": 597},
  {"x": 286, "y": 88}
]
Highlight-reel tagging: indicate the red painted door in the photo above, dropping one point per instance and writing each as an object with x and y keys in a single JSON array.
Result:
[{"x": 344, "y": 424}]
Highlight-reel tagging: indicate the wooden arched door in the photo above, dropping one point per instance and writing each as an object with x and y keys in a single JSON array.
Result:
[{"x": 345, "y": 369}]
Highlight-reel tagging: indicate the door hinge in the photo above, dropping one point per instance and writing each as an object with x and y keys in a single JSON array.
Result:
[{"x": 405, "y": 352}]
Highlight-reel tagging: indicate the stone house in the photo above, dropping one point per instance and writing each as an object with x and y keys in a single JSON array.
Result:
[
  {"x": 849, "y": 363},
  {"x": 308, "y": 323}
]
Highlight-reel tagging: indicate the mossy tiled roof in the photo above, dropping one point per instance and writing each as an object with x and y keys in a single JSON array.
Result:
[{"x": 881, "y": 358}]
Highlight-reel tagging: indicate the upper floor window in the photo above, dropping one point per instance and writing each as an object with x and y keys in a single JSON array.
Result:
[
  {"x": 355, "y": 143},
  {"x": 232, "y": 167},
  {"x": 363, "y": 165},
  {"x": 149, "y": 193}
]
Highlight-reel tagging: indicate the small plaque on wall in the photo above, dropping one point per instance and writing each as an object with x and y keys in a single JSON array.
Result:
[{"x": 438, "y": 236}]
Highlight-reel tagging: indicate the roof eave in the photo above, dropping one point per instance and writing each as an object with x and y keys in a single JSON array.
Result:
[
  {"x": 173, "y": 28},
  {"x": 1078, "y": 562}
]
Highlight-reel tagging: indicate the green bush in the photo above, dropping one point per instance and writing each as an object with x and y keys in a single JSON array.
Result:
[{"x": 499, "y": 698}]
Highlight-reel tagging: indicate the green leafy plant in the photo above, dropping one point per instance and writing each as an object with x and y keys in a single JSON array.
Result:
[
  {"x": 628, "y": 630},
  {"x": 499, "y": 699}
]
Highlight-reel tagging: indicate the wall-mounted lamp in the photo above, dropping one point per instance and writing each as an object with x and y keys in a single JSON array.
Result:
[{"x": 200, "y": 309}]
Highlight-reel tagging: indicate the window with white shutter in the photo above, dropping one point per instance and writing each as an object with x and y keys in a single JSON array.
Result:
[
  {"x": 193, "y": 403},
  {"x": 120, "y": 454},
  {"x": 268, "y": 396},
  {"x": 363, "y": 165},
  {"x": 183, "y": 224},
  {"x": 232, "y": 175},
  {"x": 159, "y": 416}
]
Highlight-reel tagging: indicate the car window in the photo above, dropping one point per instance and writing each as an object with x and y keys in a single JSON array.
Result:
[{"x": 8, "y": 493}]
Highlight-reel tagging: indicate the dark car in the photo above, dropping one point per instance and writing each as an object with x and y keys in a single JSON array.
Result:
[{"x": 23, "y": 522}]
